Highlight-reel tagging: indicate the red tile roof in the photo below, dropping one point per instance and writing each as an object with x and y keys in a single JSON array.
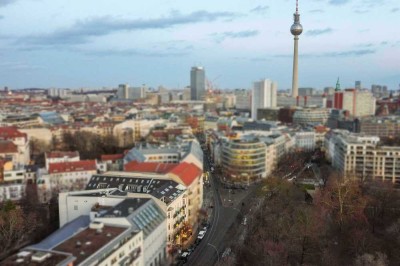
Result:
[
  {"x": 186, "y": 172},
  {"x": 62, "y": 154},
  {"x": 112, "y": 157},
  {"x": 321, "y": 129},
  {"x": 149, "y": 167},
  {"x": 8, "y": 147},
  {"x": 66, "y": 167},
  {"x": 11, "y": 133}
]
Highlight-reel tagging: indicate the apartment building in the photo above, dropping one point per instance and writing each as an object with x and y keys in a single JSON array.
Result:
[
  {"x": 180, "y": 151},
  {"x": 364, "y": 156},
  {"x": 384, "y": 127},
  {"x": 130, "y": 232},
  {"x": 61, "y": 157},
  {"x": 19, "y": 150},
  {"x": 64, "y": 176}
]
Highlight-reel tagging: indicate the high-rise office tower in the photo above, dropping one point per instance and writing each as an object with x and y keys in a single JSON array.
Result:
[
  {"x": 358, "y": 85},
  {"x": 264, "y": 95},
  {"x": 296, "y": 30},
  {"x": 122, "y": 92},
  {"x": 197, "y": 84}
]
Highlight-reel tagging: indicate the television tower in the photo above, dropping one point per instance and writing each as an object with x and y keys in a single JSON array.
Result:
[{"x": 296, "y": 30}]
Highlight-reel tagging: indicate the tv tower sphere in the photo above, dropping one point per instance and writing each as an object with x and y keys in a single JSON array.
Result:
[{"x": 296, "y": 28}]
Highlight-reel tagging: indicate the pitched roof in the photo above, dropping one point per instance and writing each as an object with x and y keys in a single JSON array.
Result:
[
  {"x": 149, "y": 167},
  {"x": 186, "y": 172},
  {"x": 112, "y": 157},
  {"x": 66, "y": 167},
  {"x": 62, "y": 154},
  {"x": 8, "y": 147},
  {"x": 11, "y": 133}
]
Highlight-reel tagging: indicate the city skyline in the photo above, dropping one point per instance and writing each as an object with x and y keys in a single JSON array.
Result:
[{"x": 71, "y": 44}]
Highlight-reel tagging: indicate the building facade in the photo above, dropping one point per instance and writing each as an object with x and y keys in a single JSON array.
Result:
[
  {"x": 264, "y": 95},
  {"x": 384, "y": 127},
  {"x": 243, "y": 161},
  {"x": 197, "y": 84},
  {"x": 358, "y": 155}
]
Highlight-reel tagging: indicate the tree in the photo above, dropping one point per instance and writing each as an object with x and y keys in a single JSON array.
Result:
[
  {"x": 343, "y": 201},
  {"x": 377, "y": 259},
  {"x": 15, "y": 229}
]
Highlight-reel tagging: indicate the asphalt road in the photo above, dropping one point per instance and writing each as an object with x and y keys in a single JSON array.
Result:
[
  {"x": 222, "y": 218},
  {"x": 211, "y": 247}
]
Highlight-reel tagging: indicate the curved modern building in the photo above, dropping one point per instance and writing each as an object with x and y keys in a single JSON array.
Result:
[
  {"x": 311, "y": 116},
  {"x": 243, "y": 161}
]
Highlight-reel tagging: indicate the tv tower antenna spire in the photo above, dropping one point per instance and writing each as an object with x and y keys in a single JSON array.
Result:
[{"x": 296, "y": 30}]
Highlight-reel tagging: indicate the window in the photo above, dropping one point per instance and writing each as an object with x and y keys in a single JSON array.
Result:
[{"x": 75, "y": 207}]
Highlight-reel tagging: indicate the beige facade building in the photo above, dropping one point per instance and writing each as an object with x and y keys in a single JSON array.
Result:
[{"x": 363, "y": 156}]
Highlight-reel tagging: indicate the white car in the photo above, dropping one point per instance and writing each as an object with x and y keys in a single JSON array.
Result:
[{"x": 201, "y": 234}]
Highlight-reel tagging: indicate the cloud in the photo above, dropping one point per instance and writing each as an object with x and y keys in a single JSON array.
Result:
[
  {"x": 338, "y": 2},
  {"x": 353, "y": 53},
  {"x": 260, "y": 9},
  {"x": 219, "y": 37},
  {"x": 372, "y": 3},
  {"x": 394, "y": 10},
  {"x": 7, "y": 2},
  {"x": 1, "y": 17},
  {"x": 318, "y": 32},
  {"x": 82, "y": 31},
  {"x": 18, "y": 66},
  {"x": 349, "y": 53},
  {"x": 141, "y": 53}
]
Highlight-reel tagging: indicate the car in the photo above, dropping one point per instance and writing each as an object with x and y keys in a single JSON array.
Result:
[
  {"x": 201, "y": 234},
  {"x": 184, "y": 256}
]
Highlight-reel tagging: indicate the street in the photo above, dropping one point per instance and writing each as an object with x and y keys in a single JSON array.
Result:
[{"x": 224, "y": 213}]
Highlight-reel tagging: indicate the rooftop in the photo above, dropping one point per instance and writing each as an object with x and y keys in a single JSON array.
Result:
[
  {"x": 89, "y": 241},
  {"x": 66, "y": 167},
  {"x": 8, "y": 147},
  {"x": 38, "y": 258},
  {"x": 165, "y": 190},
  {"x": 11, "y": 133},
  {"x": 62, "y": 154},
  {"x": 112, "y": 157},
  {"x": 187, "y": 172},
  {"x": 149, "y": 167}
]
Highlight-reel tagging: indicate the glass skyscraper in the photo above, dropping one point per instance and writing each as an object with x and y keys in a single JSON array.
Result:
[{"x": 197, "y": 84}]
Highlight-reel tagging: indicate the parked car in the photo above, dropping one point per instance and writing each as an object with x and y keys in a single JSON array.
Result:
[
  {"x": 201, "y": 234},
  {"x": 184, "y": 256}
]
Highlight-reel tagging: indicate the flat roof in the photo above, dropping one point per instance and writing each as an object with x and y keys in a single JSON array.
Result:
[
  {"x": 89, "y": 241},
  {"x": 50, "y": 258}
]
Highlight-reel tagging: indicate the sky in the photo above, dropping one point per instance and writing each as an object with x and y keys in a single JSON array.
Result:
[{"x": 103, "y": 43}]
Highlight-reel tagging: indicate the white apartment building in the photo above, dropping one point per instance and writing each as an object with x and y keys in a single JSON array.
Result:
[
  {"x": 63, "y": 177},
  {"x": 61, "y": 157},
  {"x": 12, "y": 182},
  {"x": 305, "y": 140},
  {"x": 130, "y": 232},
  {"x": 115, "y": 206},
  {"x": 242, "y": 99},
  {"x": 264, "y": 95},
  {"x": 363, "y": 156}
]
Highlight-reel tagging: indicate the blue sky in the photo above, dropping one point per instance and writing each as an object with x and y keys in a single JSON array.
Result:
[{"x": 95, "y": 43}]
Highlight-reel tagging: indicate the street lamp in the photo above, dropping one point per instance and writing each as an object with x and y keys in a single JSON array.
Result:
[{"x": 211, "y": 245}]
